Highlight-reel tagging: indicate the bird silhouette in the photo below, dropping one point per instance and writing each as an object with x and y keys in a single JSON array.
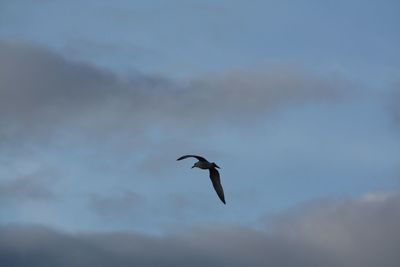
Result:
[{"x": 204, "y": 164}]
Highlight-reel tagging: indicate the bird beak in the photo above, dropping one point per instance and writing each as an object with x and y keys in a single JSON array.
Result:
[{"x": 192, "y": 167}]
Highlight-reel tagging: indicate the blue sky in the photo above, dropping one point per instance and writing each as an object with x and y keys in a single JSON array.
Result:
[
  {"x": 297, "y": 101},
  {"x": 192, "y": 37}
]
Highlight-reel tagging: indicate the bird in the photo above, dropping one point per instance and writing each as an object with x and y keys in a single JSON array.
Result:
[{"x": 204, "y": 164}]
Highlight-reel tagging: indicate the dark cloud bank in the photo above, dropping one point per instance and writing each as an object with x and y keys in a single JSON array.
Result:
[{"x": 353, "y": 232}]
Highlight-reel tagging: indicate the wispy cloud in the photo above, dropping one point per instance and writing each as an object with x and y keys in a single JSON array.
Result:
[
  {"x": 116, "y": 205},
  {"x": 394, "y": 101},
  {"x": 30, "y": 187}
]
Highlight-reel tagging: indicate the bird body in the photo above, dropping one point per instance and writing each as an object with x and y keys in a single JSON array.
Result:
[{"x": 204, "y": 164}]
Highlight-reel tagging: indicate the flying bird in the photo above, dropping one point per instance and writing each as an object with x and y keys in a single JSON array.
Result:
[{"x": 204, "y": 164}]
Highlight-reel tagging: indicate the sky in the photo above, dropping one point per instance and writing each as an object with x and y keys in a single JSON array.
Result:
[{"x": 296, "y": 101}]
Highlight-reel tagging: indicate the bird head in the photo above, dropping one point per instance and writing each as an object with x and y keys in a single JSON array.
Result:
[{"x": 195, "y": 165}]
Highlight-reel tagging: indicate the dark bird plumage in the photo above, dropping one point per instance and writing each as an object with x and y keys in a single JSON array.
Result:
[
  {"x": 214, "y": 174},
  {"x": 193, "y": 156}
]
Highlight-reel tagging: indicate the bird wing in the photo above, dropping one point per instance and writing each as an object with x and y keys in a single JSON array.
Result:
[
  {"x": 193, "y": 156},
  {"x": 216, "y": 181}
]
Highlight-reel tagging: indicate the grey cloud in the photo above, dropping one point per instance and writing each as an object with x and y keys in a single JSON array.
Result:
[
  {"x": 35, "y": 186},
  {"x": 394, "y": 101},
  {"x": 116, "y": 205},
  {"x": 81, "y": 48},
  {"x": 362, "y": 231},
  {"x": 354, "y": 232},
  {"x": 37, "y": 87},
  {"x": 183, "y": 206},
  {"x": 42, "y": 92}
]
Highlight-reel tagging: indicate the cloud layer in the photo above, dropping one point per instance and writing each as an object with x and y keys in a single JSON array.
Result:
[
  {"x": 31, "y": 187},
  {"x": 352, "y": 232},
  {"x": 42, "y": 93}
]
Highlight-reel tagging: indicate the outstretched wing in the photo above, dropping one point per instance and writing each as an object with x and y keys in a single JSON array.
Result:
[
  {"x": 193, "y": 156},
  {"x": 214, "y": 176}
]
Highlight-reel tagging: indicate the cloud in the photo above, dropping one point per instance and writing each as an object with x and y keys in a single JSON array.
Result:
[
  {"x": 42, "y": 93},
  {"x": 362, "y": 232},
  {"x": 39, "y": 90},
  {"x": 394, "y": 101},
  {"x": 31, "y": 187},
  {"x": 116, "y": 205},
  {"x": 351, "y": 232}
]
